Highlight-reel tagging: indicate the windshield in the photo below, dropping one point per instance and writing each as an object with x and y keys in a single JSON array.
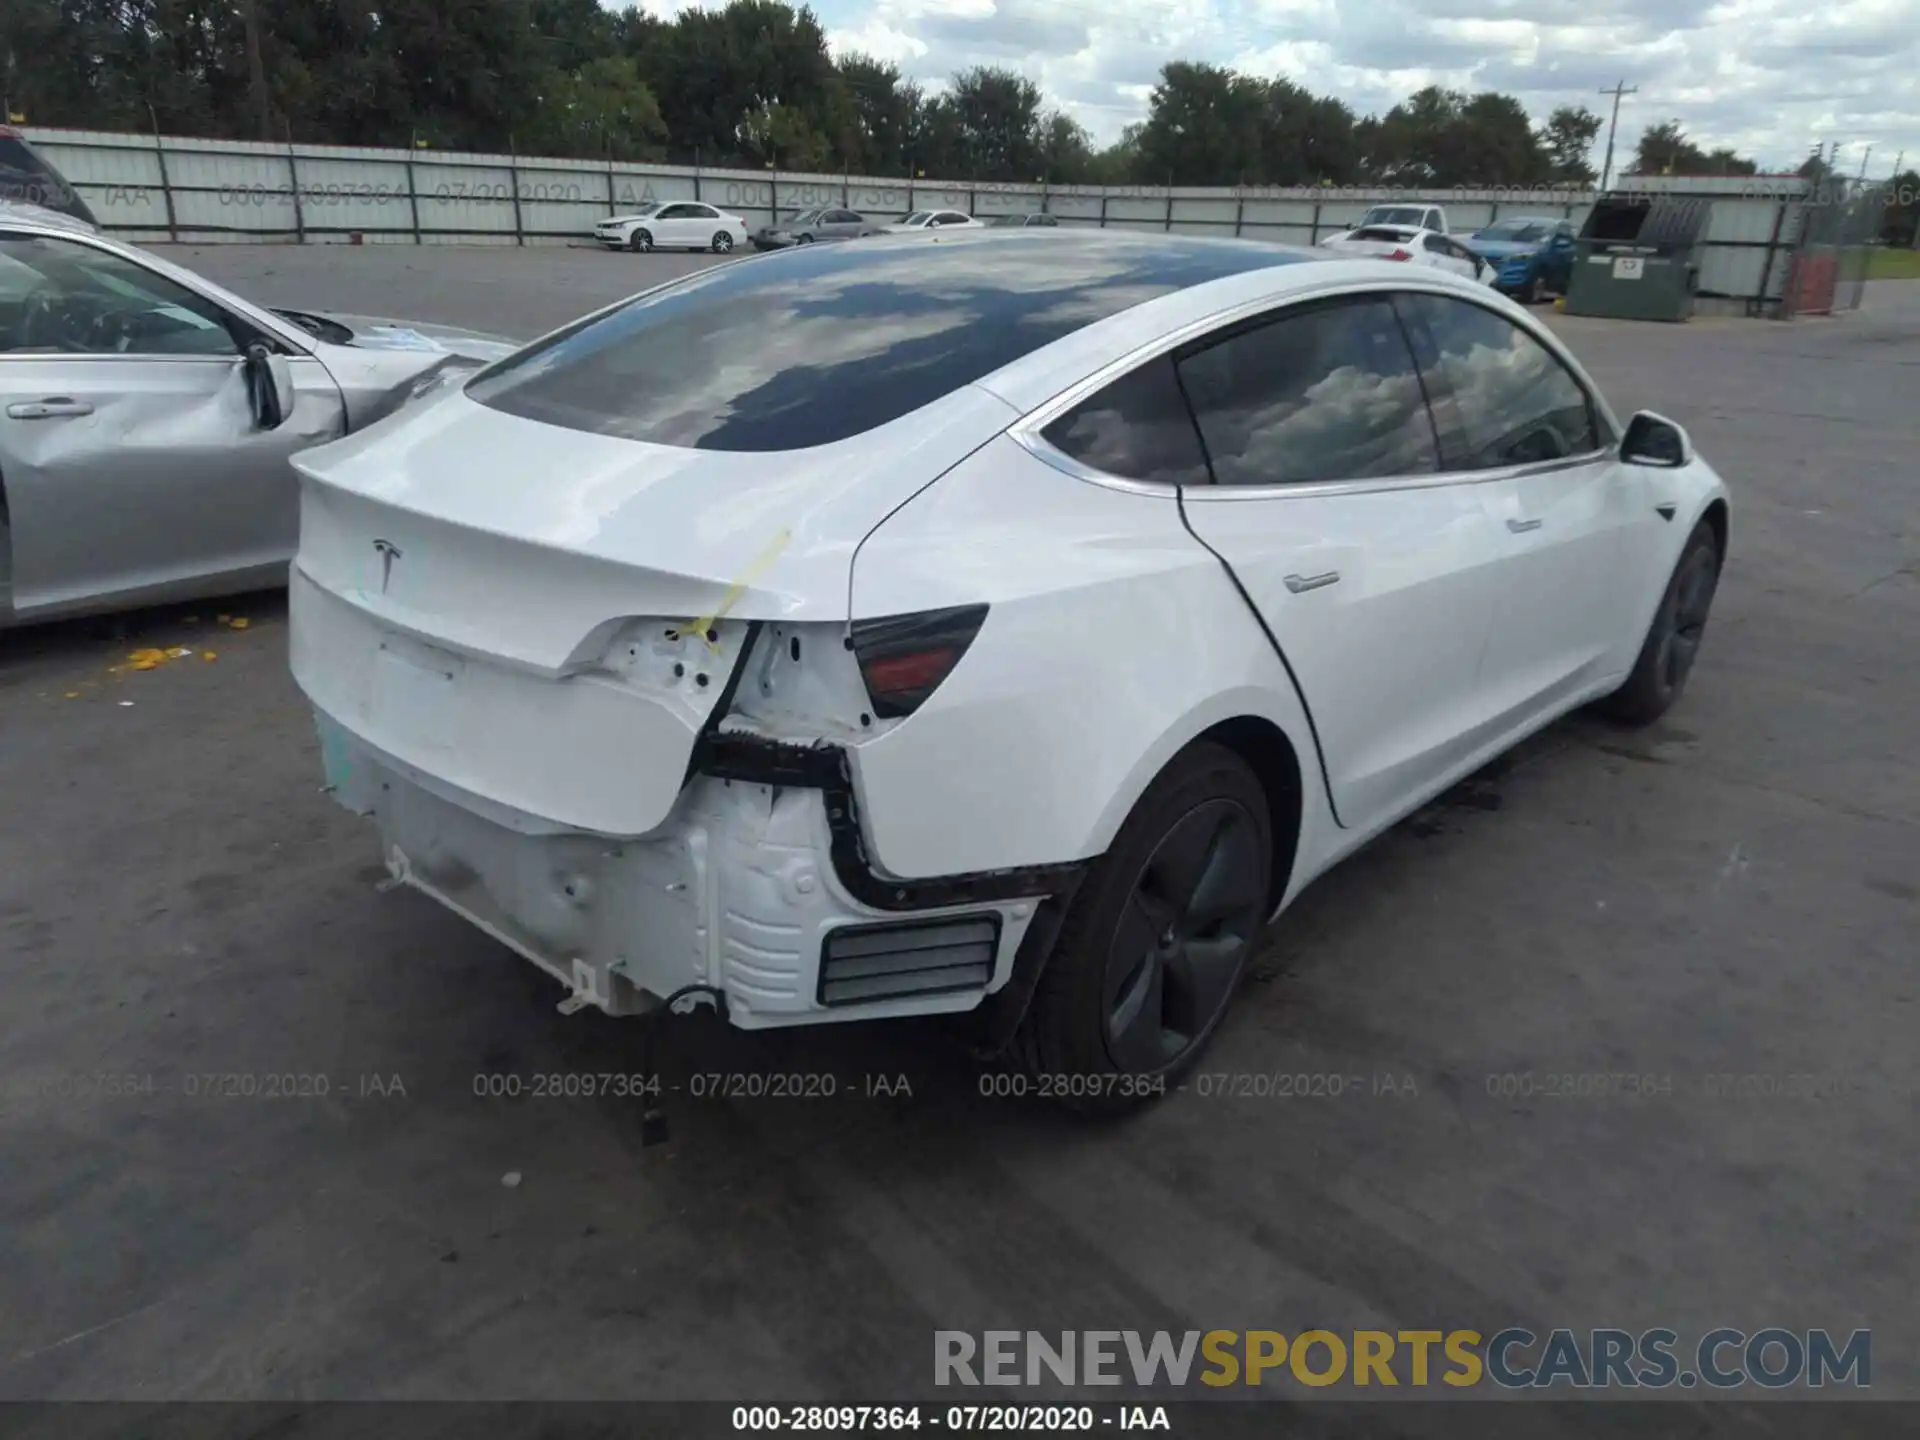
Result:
[
  {"x": 802, "y": 217},
  {"x": 1394, "y": 215},
  {"x": 1383, "y": 232},
  {"x": 822, "y": 342},
  {"x": 1009, "y": 219},
  {"x": 918, "y": 217},
  {"x": 1515, "y": 230},
  {"x": 646, "y": 209},
  {"x": 29, "y": 179}
]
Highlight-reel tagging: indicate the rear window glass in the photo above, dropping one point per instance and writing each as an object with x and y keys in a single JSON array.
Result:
[{"x": 822, "y": 342}]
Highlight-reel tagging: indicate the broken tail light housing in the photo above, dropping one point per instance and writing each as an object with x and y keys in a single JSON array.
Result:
[
  {"x": 1400, "y": 255},
  {"x": 904, "y": 658}
]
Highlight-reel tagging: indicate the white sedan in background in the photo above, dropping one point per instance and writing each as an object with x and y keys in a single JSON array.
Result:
[
  {"x": 1413, "y": 245},
  {"x": 673, "y": 225},
  {"x": 977, "y": 624},
  {"x": 936, "y": 220}
]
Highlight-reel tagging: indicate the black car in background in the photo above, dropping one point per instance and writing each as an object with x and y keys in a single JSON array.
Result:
[{"x": 26, "y": 178}]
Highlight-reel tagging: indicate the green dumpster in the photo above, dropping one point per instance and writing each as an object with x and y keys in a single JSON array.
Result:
[{"x": 1635, "y": 258}]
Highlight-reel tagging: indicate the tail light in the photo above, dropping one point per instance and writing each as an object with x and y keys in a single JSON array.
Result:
[
  {"x": 1400, "y": 255},
  {"x": 904, "y": 658}
]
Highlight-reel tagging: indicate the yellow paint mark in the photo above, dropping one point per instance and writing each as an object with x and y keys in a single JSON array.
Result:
[
  {"x": 73, "y": 694},
  {"x": 755, "y": 568},
  {"x": 208, "y": 655},
  {"x": 239, "y": 622}
]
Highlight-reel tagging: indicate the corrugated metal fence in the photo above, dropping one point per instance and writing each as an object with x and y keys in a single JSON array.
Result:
[{"x": 152, "y": 188}]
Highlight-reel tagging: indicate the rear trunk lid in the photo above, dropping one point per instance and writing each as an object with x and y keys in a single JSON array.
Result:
[{"x": 523, "y": 611}]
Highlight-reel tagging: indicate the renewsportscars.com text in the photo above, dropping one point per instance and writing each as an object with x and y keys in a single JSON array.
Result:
[{"x": 1513, "y": 1358}]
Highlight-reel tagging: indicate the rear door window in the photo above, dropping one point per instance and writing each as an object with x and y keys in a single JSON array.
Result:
[
  {"x": 1328, "y": 392},
  {"x": 1503, "y": 397}
]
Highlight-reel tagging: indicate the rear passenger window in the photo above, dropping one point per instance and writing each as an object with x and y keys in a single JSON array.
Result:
[
  {"x": 1328, "y": 393},
  {"x": 1504, "y": 399},
  {"x": 1137, "y": 428}
]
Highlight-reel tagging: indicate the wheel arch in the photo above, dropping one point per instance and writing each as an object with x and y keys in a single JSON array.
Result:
[
  {"x": 1276, "y": 764},
  {"x": 1716, "y": 517}
]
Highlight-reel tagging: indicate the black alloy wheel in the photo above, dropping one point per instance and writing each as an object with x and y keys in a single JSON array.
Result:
[{"x": 1184, "y": 937}]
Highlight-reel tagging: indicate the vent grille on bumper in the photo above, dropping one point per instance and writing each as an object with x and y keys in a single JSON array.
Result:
[{"x": 860, "y": 964}]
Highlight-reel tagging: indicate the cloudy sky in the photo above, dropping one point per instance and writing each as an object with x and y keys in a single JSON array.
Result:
[{"x": 1767, "y": 76}]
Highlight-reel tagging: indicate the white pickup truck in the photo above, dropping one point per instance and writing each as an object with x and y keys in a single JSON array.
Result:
[{"x": 1418, "y": 216}]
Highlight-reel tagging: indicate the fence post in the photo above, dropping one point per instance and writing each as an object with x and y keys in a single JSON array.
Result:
[
  {"x": 166, "y": 185},
  {"x": 1169, "y": 224},
  {"x": 293, "y": 182},
  {"x": 413, "y": 200},
  {"x": 1103, "y": 207},
  {"x": 1313, "y": 235},
  {"x": 1784, "y": 311},
  {"x": 1239, "y": 210},
  {"x": 696, "y": 172},
  {"x": 773, "y": 196},
  {"x": 613, "y": 206},
  {"x": 513, "y": 173}
]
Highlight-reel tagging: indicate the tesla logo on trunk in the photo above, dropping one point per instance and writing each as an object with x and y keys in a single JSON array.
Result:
[{"x": 389, "y": 552}]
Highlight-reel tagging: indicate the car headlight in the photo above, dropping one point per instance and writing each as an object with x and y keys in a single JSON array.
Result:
[{"x": 1521, "y": 259}]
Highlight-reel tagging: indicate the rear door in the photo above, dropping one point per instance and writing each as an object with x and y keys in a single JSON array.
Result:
[
  {"x": 128, "y": 451},
  {"x": 1516, "y": 419},
  {"x": 1375, "y": 571}
]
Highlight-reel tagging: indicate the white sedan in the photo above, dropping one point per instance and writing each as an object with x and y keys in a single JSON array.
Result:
[
  {"x": 1410, "y": 244},
  {"x": 673, "y": 225},
  {"x": 984, "y": 624},
  {"x": 936, "y": 220}
]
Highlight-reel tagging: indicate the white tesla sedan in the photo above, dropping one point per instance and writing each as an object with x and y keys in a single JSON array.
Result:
[{"x": 995, "y": 622}]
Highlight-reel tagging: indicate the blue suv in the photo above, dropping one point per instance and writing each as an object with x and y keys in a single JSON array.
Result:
[{"x": 1532, "y": 255}]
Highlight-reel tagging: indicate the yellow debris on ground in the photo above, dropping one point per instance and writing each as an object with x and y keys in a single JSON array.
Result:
[
  {"x": 208, "y": 655},
  {"x": 239, "y": 622}
]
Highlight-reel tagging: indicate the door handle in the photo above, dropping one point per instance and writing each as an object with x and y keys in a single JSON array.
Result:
[
  {"x": 1520, "y": 527},
  {"x": 53, "y": 407},
  {"x": 1300, "y": 584}
]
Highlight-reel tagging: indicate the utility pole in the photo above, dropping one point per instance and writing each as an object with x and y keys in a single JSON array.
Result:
[
  {"x": 1619, "y": 89},
  {"x": 256, "y": 70}
]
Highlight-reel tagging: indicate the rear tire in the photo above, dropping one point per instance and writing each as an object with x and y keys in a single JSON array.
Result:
[
  {"x": 722, "y": 242},
  {"x": 640, "y": 242},
  {"x": 1156, "y": 940},
  {"x": 1666, "y": 657},
  {"x": 804, "y": 240}
]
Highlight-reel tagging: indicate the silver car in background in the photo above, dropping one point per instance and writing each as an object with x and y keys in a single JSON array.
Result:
[
  {"x": 808, "y": 226},
  {"x": 147, "y": 418}
]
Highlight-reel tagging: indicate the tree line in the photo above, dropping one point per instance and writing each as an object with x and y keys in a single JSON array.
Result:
[{"x": 751, "y": 83}]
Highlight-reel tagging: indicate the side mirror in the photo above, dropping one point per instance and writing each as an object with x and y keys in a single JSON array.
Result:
[
  {"x": 1561, "y": 242},
  {"x": 1655, "y": 440},
  {"x": 269, "y": 387}
]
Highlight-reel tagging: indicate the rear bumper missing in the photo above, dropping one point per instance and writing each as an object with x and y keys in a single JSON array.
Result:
[{"x": 743, "y": 888}]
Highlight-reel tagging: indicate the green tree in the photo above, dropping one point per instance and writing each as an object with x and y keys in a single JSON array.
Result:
[
  {"x": 1568, "y": 138},
  {"x": 996, "y": 120},
  {"x": 1664, "y": 149}
]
